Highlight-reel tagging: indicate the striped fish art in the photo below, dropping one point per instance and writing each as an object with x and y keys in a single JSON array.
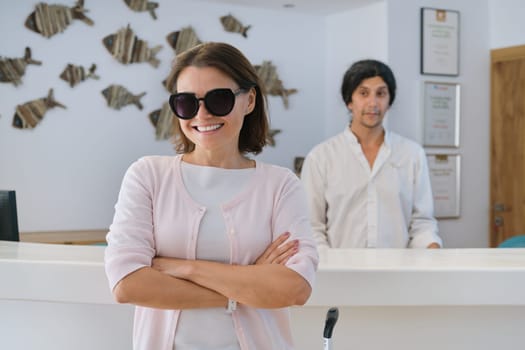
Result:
[
  {"x": 12, "y": 69},
  {"x": 76, "y": 74},
  {"x": 271, "y": 136},
  {"x": 298, "y": 165},
  {"x": 30, "y": 114},
  {"x": 267, "y": 72},
  {"x": 127, "y": 48},
  {"x": 233, "y": 25},
  {"x": 117, "y": 96},
  {"x": 162, "y": 120},
  {"x": 49, "y": 20},
  {"x": 143, "y": 5},
  {"x": 183, "y": 39}
]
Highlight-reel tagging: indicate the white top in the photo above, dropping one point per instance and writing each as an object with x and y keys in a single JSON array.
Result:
[
  {"x": 156, "y": 216},
  {"x": 210, "y": 187},
  {"x": 354, "y": 206}
]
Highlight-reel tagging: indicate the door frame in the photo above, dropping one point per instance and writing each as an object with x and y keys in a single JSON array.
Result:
[{"x": 496, "y": 56}]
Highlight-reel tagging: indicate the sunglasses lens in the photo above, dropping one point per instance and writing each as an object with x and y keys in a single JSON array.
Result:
[
  {"x": 184, "y": 105},
  {"x": 219, "y": 102}
]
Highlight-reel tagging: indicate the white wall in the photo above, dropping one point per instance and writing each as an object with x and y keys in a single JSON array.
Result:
[
  {"x": 390, "y": 31},
  {"x": 67, "y": 171},
  {"x": 471, "y": 229},
  {"x": 506, "y": 23},
  {"x": 350, "y": 36}
]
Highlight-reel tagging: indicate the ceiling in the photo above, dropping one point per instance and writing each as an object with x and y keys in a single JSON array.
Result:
[{"x": 314, "y": 7}]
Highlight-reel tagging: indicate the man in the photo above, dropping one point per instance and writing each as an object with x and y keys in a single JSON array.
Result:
[{"x": 369, "y": 187}]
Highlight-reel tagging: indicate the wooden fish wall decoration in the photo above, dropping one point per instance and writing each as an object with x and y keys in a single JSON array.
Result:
[
  {"x": 143, "y": 5},
  {"x": 75, "y": 74},
  {"x": 232, "y": 24},
  {"x": 271, "y": 135},
  {"x": 182, "y": 40},
  {"x": 162, "y": 120},
  {"x": 127, "y": 48},
  {"x": 118, "y": 96},
  {"x": 28, "y": 115},
  {"x": 267, "y": 72},
  {"x": 12, "y": 69},
  {"x": 49, "y": 20},
  {"x": 169, "y": 83},
  {"x": 298, "y": 165}
]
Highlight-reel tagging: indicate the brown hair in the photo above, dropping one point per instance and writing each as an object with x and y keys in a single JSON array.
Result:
[{"x": 230, "y": 61}]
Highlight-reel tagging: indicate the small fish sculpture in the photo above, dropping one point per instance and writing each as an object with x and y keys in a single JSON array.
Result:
[
  {"x": 267, "y": 72},
  {"x": 162, "y": 120},
  {"x": 118, "y": 96},
  {"x": 271, "y": 135},
  {"x": 184, "y": 39},
  {"x": 28, "y": 115},
  {"x": 75, "y": 74},
  {"x": 143, "y": 5},
  {"x": 49, "y": 20},
  {"x": 232, "y": 24},
  {"x": 298, "y": 165},
  {"x": 127, "y": 48},
  {"x": 12, "y": 69},
  {"x": 169, "y": 83}
]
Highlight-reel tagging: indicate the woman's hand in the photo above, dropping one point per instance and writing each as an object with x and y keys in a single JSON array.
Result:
[{"x": 278, "y": 252}]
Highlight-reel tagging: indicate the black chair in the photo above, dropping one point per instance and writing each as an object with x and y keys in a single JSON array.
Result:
[{"x": 8, "y": 217}]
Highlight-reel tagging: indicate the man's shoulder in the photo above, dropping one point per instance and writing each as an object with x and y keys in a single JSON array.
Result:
[
  {"x": 403, "y": 142},
  {"x": 334, "y": 143}
]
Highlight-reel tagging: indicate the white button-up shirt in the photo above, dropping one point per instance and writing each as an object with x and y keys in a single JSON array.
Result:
[{"x": 354, "y": 206}]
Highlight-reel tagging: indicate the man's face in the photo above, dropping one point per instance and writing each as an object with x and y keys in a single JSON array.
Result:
[{"x": 370, "y": 101}]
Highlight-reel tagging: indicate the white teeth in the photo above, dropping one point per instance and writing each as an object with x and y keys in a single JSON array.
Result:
[{"x": 208, "y": 127}]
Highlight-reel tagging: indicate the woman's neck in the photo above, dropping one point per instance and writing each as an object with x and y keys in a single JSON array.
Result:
[{"x": 213, "y": 159}]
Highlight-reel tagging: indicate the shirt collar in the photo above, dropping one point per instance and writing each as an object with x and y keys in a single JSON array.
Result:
[{"x": 387, "y": 142}]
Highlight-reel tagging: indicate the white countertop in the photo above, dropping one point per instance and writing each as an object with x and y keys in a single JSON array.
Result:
[{"x": 346, "y": 277}]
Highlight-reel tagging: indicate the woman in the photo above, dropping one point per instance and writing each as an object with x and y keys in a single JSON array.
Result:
[{"x": 211, "y": 246}]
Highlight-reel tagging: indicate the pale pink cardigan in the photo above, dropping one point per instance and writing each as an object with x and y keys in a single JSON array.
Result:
[{"x": 155, "y": 216}]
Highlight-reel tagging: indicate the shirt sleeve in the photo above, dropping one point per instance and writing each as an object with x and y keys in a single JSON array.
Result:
[
  {"x": 313, "y": 181},
  {"x": 291, "y": 215},
  {"x": 423, "y": 229},
  {"x": 130, "y": 238}
]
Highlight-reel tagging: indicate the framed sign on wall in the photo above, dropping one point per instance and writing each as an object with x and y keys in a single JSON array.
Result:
[
  {"x": 439, "y": 42},
  {"x": 444, "y": 170},
  {"x": 441, "y": 113}
]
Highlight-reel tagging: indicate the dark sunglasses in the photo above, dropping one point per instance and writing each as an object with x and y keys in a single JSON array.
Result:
[{"x": 218, "y": 102}]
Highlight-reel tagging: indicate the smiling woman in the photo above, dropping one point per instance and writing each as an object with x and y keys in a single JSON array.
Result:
[{"x": 210, "y": 236}]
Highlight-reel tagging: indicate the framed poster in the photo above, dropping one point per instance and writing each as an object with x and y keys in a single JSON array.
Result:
[
  {"x": 439, "y": 42},
  {"x": 441, "y": 112},
  {"x": 444, "y": 170}
]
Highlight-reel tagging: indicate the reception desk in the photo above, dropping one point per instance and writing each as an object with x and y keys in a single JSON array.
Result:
[{"x": 56, "y": 297}]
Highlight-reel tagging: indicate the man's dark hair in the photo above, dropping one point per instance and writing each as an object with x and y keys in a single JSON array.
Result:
[{"x": 365, "y": 69}]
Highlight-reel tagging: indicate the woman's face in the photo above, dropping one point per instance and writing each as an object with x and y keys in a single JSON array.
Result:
[{"x": 206, "y": 131}]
